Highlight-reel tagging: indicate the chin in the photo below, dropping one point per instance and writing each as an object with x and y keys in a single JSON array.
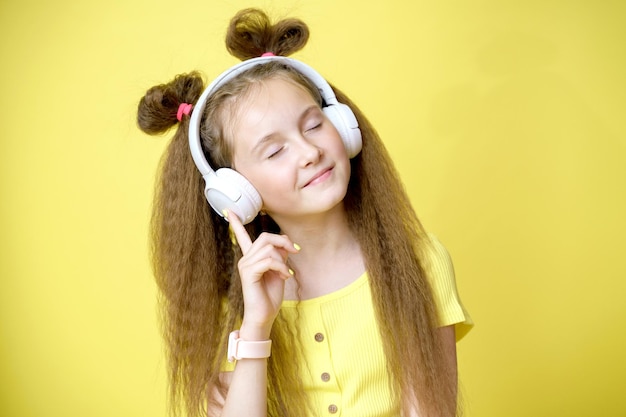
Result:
[{"x": 330, "y": 202}]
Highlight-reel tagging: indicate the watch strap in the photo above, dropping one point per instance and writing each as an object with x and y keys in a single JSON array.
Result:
[{"x": 243, "y": 349}]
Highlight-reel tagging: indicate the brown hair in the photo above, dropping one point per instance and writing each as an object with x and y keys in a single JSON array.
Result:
[{"x": 194, "y": 259}]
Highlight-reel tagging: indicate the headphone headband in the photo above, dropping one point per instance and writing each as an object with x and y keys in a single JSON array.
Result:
[{"x": 196, "y": 116}]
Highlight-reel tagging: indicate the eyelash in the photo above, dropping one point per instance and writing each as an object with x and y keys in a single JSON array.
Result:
[
  {"x": 317, "y": 126},
  {"x": 273, "y": 154}
]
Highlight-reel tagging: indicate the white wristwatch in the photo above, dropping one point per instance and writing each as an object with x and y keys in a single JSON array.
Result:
[{"x": 242, "y": 349}]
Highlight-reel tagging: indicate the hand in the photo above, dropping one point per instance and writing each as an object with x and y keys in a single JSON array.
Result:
[{"x": 263, "y": 270}]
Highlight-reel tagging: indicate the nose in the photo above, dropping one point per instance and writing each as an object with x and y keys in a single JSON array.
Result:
[{"x": 308, "y": 152}]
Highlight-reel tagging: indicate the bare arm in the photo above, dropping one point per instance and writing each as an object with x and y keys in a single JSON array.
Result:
[
  {"x": 247, "y": 390},
  {"x": 247, "y": 384},
  {"x": 263, "y": 272}
]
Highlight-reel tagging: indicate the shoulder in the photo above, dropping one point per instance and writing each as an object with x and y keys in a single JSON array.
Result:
[
  {"x": 436, "y": 259},
  {"x": 439, "y": 269}
]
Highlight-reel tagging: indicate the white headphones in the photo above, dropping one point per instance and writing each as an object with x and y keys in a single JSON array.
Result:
[{"x": 226, "y": 189}]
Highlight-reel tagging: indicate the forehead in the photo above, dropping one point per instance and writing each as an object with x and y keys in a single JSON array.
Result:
[
  {"x": 251, "y": 86},
  {"x": 265, "y": 103}
]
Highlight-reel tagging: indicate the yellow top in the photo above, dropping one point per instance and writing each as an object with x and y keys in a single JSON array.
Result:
[{"x": 342, "y": 346}]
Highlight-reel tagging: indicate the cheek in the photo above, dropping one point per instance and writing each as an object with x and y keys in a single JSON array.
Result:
[
  {"x": 268, "y": 182},
  {"x": 274, "y": 194},
  {"x": 336, "y": 143}
]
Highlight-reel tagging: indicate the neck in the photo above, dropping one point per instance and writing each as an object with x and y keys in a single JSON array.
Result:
[
  {"x": 330, "y": 257},
  {"x": 325, "y": 232}
]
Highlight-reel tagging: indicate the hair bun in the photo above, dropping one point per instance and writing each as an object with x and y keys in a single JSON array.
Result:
[
  {"x": 251, "y": 34},
  {"x": 157, "y": 109}
]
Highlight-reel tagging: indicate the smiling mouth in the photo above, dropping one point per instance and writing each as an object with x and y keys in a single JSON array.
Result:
[{"x": 320, "y": 177}]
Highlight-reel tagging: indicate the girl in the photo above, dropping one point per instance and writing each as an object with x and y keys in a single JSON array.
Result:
[{"x": 344, "y": 305}]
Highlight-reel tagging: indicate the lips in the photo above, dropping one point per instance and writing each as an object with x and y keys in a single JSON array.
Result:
[{"x": 319, "y": 177}]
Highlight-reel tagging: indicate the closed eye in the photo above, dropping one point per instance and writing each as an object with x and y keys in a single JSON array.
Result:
[
  {"x": 317, "y": 126},
  {"x": 274, "y": 153}
]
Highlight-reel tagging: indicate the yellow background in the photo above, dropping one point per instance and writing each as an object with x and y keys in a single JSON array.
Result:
[{"x": 507, "y": 122}]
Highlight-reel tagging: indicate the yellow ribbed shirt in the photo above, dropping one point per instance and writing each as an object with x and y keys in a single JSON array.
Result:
[{"x": 343, "y": 351}]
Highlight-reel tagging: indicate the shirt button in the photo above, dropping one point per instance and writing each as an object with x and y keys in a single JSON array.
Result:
[
  {"x": 325, "y": 377},
  {"x": 332, "y": 409},
  {"x": 319, "y": 337}
]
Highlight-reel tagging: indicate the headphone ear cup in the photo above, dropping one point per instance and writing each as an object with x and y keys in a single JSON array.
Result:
[
  {"x": 226, "y": 189},
  {"x": 342, "y": 117}
]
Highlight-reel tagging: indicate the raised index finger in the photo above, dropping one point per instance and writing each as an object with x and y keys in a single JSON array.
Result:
[{"x": 242, "y": 236}]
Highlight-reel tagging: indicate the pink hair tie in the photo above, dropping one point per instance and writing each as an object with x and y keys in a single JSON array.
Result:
[
  {"x": 268, "y": 54},
  {"x": 184, "y": 108}
]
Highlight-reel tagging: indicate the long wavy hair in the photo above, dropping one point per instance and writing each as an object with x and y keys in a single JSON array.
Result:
[{"x": 194, "y": 259}]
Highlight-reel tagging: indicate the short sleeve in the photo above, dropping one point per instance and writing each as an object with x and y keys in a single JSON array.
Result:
[{"x": 440, "y": 271}]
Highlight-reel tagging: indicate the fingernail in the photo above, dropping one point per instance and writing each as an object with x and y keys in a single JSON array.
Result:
[
  {"x": 295, "y": 245},
  {"x": 225, "y": 213}
]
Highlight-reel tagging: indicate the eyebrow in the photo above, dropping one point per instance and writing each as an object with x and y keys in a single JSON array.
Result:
[{"x": 269, "y": 137}]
